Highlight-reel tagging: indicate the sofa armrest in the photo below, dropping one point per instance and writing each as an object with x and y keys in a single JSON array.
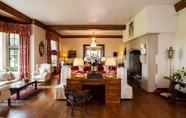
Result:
[
  {"x": 34, "y": 74},
  {"x": 4, "y": 88}
]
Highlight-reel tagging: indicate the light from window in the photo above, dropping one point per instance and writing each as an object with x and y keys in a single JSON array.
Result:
[{"x": 13, "y": 50}]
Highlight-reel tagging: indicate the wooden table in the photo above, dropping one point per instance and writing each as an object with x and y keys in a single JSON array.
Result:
[
  {"x": 18, "y": 86},
  {"x": 172, "y": 89},
  {"x": 111, "y": 87}
]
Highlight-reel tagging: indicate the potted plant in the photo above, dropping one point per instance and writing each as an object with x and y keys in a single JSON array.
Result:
[{"x": 10, "y": 68}]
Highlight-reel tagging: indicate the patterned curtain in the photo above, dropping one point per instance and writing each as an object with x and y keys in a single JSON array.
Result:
[
  {"x": 24, "y": 31},
  {"x": 51, "y": 36}
]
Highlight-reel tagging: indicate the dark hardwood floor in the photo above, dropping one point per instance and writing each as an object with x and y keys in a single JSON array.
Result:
[{"x": 143, "y": 105}]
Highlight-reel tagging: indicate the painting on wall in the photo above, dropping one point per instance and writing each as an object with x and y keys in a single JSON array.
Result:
[
  {"x": 131, "y": 29},
  {"x": 115, "y": 54},
  {"x": 71, "y": 54}
]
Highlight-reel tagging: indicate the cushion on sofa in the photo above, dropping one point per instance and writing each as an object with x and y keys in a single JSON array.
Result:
[
  {"x": 3, "y": 76},
  {"x": 16, "y": 75},
  {"x": 9, "y": 76}
]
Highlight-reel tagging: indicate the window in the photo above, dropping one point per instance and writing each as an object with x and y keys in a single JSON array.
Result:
[
  {"x": 13, "y": 51},
  {"x": 53, "y": 53}
]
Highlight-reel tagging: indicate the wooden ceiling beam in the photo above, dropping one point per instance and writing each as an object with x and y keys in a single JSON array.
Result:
[
  {"x": 86, "y": 27},
  {"x": 14, "y": 14},
  {"x": 90, "y": 36},
  {"x": 180, "y": 5}
]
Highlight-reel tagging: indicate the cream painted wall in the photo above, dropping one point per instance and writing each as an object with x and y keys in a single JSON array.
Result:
[
  {"x": 180, "y": 41},
  {"x": 160, "y": 18},
  {"x": 152, "y": 19},
  {"x": 2, "y": 50},
  {"x": 111, "y": 45},
  {"x": 164, "y": 42},
  {"x": 38, "y": 35}
]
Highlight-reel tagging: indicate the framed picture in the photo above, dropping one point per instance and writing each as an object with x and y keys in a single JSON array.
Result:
[
  {"x": 115, "y": 54},
  {"x": 131, "y": 29},
  {"x": 71, "y": 54}
]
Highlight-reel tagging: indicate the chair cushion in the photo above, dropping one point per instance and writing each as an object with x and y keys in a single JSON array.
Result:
[
  {"x": 79, "y": 97},
  {"x": 42, "y": 71}
]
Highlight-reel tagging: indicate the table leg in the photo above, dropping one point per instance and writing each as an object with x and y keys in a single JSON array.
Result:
[
  {"x": 18, "y": 95},
  {"x": 35, "y": 85},
  {"x": 9, "y": 102}
]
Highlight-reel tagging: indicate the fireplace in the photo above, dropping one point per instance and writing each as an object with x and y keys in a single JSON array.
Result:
[{"x": 135, "y": 67}]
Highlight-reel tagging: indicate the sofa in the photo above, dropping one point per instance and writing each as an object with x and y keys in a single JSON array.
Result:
[{"x": 6, "y": 78}]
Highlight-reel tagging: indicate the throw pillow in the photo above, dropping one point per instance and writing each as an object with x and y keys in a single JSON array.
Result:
[
  {"x": 81, "y": 68},
  {"x": 106, "y": 69},
  {"x": 3, "y": 76},
  {"x": 9, "y": 76},
  {"x": 42, "y": 71}
]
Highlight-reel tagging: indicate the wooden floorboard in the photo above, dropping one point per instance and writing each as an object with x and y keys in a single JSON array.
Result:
[{"x": 143, "y": 105}]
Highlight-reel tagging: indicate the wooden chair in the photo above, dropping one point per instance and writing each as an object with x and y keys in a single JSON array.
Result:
[{"x": 76, "y": 97}]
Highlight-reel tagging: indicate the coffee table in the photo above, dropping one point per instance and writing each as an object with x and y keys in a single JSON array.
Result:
[{"x": 18, "y": 86}]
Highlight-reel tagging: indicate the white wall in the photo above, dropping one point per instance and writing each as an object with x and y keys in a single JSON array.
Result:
[
  {"x": 38, "y": 35},
  {"x": 153, "y": 19},
  {"x": 180, "y": 41},
  {"x": 164, "y": 42},
  {"x": 3, "y": 50}
]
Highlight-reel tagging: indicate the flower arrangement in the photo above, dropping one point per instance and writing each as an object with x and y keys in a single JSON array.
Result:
[
  {"x": 178, "y": 75},
  {"x": 93, "y": 61}
]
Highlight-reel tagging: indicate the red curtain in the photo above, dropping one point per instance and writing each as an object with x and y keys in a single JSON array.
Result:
[
  {"x": 24, "y": 31},
  {"x": 51, "y": 36}
]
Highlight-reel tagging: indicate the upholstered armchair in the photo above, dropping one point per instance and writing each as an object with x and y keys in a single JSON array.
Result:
[{"x": 43, "y": 73}]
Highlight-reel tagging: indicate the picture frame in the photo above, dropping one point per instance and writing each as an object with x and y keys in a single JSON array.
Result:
[
  {"x": 41, "y": 49},
  {"x": 71, "y": 54},
  {"x": 115, "y": 54}
]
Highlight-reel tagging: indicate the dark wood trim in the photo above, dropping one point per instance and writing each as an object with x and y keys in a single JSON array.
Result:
[
  {"x": 86, "y": 27},
  {"x": 14, "y": 14},
  {"x": 89, "y": 36},
  {"x": 38, "y": 23},
  {"x": 180, "y": 5},
  {"x": 103, "y": 46},
  {"x": 53, "y": 31}
]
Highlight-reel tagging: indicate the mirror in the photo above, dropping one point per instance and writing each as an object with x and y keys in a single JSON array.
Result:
[
  {"x": 98, "y": 51},
  {"x": 41, "y": 48}
]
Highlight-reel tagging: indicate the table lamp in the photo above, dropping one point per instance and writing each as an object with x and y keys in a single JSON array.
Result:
[
  {"x": 79, "y": 62},
  {"x": 103, "y": 59},
  {"x": 110, "y": 62}
]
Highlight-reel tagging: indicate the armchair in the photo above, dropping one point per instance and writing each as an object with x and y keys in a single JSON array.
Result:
[{"x": 43, "y": 73}]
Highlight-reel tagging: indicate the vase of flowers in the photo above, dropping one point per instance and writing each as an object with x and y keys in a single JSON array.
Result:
[
  {"x": 178, "y": 75},
  {"x": 93, "y": 62}
]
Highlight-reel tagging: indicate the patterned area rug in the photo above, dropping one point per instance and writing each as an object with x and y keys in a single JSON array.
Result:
[{"x": 25, "y": 95}]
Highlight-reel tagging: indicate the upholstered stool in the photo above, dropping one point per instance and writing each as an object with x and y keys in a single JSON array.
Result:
[
  {"x": 59, "y": 92},
  {"x": 126, "y": 91}
]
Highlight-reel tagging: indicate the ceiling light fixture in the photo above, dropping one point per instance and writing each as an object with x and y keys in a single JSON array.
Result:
[{"x": 93, "y": 44}]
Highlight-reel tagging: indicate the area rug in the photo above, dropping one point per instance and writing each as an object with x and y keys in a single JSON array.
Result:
[{"x": 25, "y": 95}]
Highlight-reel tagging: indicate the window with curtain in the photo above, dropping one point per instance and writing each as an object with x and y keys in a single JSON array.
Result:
[
  {"x": 53, "y": 53},
  {"x": 13, "y": 52}
]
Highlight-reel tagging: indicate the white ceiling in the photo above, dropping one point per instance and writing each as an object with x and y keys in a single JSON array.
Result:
[{"x": 84, "y": 12}]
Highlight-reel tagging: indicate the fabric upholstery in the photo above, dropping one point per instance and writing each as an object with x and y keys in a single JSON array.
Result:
[{"x": 3, "y": 76}]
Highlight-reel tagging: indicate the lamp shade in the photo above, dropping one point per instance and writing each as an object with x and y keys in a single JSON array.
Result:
[
  {"x": 64, "y": 55},
  {"x": 85, "y": 59},
  {"x": 78, "y": 62},
  {"x": 110, "y": 62},
  {"x": 103, "y": 59}
]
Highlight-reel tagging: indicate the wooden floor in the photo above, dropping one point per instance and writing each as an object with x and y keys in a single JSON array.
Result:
[{"x": 143, "y": 105}]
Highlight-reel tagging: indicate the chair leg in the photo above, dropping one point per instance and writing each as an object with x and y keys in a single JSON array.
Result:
[
  {"x": 72, "y": 110},
  {"x": 9, "y": 102},
  {"x": 85, "y": 109}
]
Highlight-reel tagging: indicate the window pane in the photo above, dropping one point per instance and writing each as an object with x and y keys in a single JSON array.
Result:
[{"x": 16, "y": 42}]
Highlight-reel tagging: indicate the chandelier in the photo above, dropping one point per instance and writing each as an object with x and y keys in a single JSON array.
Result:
[{"x": 93, "y": 44}]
